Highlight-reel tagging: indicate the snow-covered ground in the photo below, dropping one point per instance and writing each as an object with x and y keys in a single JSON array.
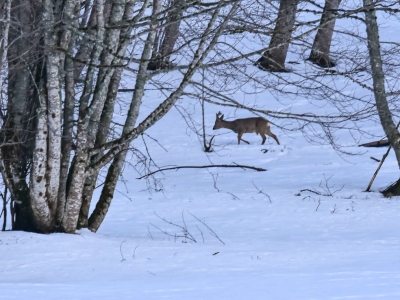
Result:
[
  {"x": 276, "y": 242},
  {"x": 303, "y": 229}
]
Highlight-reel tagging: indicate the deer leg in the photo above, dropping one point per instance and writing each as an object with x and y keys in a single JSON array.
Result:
[
  {"x": 264, "y": 138},
  {"x": 240, "y": 138},
  {"x": 273, "y": 136}
]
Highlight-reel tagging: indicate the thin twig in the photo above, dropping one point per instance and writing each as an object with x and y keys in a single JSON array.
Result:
[
  {"x": 134, "y": 252},
  {"x": 261, "y": 192},
  {"x": 120, "y": 250},
  {"x": 234, "y": 196},
  {"x": 208, "y": 227},
  {"x": 155, "y": 140},
  {"x": 380, "y": 164},
  {"x": 185, "y": 231},
  {"x": 319, "y": 203},
  {"x": 377, "y": 169},
  {"x": 375, "y": 159}
]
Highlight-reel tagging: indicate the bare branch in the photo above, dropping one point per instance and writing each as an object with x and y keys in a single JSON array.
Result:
[{"x": 203, "y": 167}]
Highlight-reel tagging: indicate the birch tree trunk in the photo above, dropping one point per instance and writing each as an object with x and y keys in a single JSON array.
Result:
[
  {"x": 320, "y": 50},
  {"x": 129, "y": 132},
  {"x": 115, "y": 169},
  {"x": 68, "y": 119},
  {"x": 108, "y": 83},
  {"x": 273, "y": 59},
  {"x": 5, "y": 14},
  {"x": 78, "y": 175},
  {"x": 64, "y": 64}
]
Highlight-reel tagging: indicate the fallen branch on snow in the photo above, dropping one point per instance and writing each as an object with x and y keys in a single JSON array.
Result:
[{"x": 204, "y": 167}]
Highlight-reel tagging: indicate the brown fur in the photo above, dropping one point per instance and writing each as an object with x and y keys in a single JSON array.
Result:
[{"x": 240, "y": 126}]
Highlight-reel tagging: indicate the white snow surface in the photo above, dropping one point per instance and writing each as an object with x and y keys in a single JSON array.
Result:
[
  {"x": 279, "y": 243},
  {"x": 258, "y": 235}
]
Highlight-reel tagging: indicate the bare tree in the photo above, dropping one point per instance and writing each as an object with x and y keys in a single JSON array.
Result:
[
  {"x": 64, "y": 65},
  {"x": 322, "y": 42},
  {"x": 273, "y": 59},
  {"x": 378, "y": 79},
  {"x": 168, "y": 35}
]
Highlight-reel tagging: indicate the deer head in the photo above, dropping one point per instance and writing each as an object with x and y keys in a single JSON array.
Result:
[{"x": 218, "y": 121}]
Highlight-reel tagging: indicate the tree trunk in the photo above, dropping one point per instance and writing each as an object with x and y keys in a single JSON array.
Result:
[
  {"x": 164, "y": 41},
  {"x": 129, "y": 132},
  {"x": 5, "y": 14},
  {"x": 320, "y": 50},
  {"x": 100, "y": 129},
  {"x": 115, "y": 169},
  {"x": 18, "y": 131},
  {"x": 101, "y": 138},
  {"x": 51, "y": 45},
  {"x": 78, "y": 173},
  {"x": 68, "y": 125},
  {"x": 171, "y": 32},
  {"x": 378, "y": 78},
  {"x": 274, "y": 58}
]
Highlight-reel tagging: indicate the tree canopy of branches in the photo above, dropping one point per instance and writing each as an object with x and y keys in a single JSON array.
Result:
[{"x": 62, "y": 65}]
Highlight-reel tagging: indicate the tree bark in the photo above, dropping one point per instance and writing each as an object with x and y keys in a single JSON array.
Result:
[
  {"x": 18, "y": 132},
  {"x": 322, "y": 43},
  {"x": 273, "y": 59},
  {"x": 67, "y": 42},
  {"x": 106, "y": 196},
  {"x": 78, "y": 173},
  {"x": 202, "y": 51},
  {"x": 53, "y": 96},
  {"x": 100, "y": 129},
  {"x": 5, "y": 14},
  {"x": 43, "y": 73},
  {"x": 378, "y": 78},
  {"x": 161, "y": 58},
  {"x": 171, "y": 32}
]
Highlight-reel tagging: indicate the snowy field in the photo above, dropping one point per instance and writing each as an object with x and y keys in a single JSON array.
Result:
[
  {"x": 276, "y": 242},
  {"x": 303, "y": 229}
]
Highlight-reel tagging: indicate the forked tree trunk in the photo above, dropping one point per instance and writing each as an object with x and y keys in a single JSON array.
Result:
[
  {"x": 130, "y": 133},
  {"x": 78, "y": 173},
  {"x": 102, "y": 135},
  {"x": 378, "y": 78},
  {"x": 322, "y": 43},
  {"x": 51, "y": 191},
  {"x": 100, "y": 129},
  {"x": 274, "y": 58},
  {"x": 46, "y": 160},
  {"x": 115, "y": 169},
  {"x": 68, "y": 126}
]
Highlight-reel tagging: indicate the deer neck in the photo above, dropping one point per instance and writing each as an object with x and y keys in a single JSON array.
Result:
[{"x": 229, "y": 125}]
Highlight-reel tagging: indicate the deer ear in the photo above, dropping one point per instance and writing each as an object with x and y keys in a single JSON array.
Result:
[{"x": 222, "y": 117}]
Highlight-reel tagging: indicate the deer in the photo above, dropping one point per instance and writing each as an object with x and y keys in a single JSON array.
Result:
[{"x": 258, "y": 125}]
